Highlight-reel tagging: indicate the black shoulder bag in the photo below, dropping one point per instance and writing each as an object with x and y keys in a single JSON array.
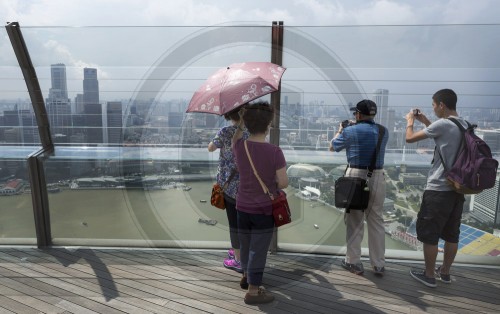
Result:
[{"x": 353, "y": 192}]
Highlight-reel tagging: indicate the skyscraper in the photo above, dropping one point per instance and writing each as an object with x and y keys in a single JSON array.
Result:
[
  {"x": 485, "y": 205},
  {"x": 29, "y": 127},
  {"x": 114, "y": 122},
  {"x": 90, "y": 86},
  {"x": 381, "y": 98},
  {"x": 59, "y": 88},
  {"x": 78, "y": 105},
  {"x": 59, "y": 113},
  {"x": 93, "y": 122},
  {"x": 58, "y": 104}
]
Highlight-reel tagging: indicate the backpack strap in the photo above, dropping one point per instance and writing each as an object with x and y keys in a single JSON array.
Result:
[
  {"x": 460, "y": 126},
  {"x": 462, "y": 130}
]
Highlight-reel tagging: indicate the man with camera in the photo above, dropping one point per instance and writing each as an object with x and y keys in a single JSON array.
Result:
[
  {"x": 360, "y": 141},
  {"x": 441, "y": 209}
]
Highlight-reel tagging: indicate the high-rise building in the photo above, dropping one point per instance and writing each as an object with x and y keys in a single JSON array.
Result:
[
  {"x": 58, "y": 104},
  {"x": 29, "y": 134},
  {"x": 485, "y": 205},
  {"x": 78, "y": 104},
  {"x": 303, "y": 128},
  {"x": 381, "y": 98},
  {"x": 11, "y": 117},
  {"x": 90, "y": 86},
  {"x": 114, "y": 117},
  {"x": 492, "y": 138},
  {"x": 93, "y": 122},
  {"x": 59, "y": 113},
  {"x": 59, "y": 88}
]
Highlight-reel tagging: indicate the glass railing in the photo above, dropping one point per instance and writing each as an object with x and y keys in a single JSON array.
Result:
[
  {"x": 131, "y": 168},
  {"x": 17, "y": 224}
]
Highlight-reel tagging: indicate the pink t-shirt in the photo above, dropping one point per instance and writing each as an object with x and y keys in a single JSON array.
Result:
[{"x": 267, "y": 158}]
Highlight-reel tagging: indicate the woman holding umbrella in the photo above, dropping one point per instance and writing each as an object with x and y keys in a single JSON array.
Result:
[
  {"x": 228, "y": 178},
  {"x": 255, "y": 219}
]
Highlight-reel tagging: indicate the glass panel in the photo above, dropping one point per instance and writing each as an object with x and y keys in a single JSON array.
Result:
[
  {"x": 148, "y": 183},
  {"x": 17, "y": 225},
  {"x": 143, "y": 80},
  {"x": 330, "y": 69},
  {"x": 134, "y": 196}
]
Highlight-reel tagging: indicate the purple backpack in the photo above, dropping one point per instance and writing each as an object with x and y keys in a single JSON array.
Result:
[{"x": 474, "y": 169}]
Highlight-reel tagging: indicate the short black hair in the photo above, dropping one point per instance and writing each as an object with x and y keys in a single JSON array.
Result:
[
  {"x": 258, "y": 116},
  {"x": 233, "y": 114},
  {"x": 447, "y": 97}
]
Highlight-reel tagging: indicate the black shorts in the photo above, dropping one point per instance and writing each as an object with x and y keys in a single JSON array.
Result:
[{"x": 440, "y": 216}]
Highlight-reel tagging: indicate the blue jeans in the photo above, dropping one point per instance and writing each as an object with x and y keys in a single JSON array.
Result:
[{"x": 255, "y": 232}]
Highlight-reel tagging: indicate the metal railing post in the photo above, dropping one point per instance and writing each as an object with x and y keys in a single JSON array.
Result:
[
  {"x": 276, "y": 58},
  {"x": 39, "y": 196},
  {"x": 35, "y": 161}
]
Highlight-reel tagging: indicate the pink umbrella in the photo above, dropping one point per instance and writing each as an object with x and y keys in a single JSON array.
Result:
[{"x": 236, "y": 85}]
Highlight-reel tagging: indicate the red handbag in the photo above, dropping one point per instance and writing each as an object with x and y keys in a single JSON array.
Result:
[
  {"x": 217, "y": 198},
  {"x": 281, "y": 210}
]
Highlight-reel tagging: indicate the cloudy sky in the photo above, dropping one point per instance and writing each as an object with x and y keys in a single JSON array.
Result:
[
  {"x": 453, "y": 52},
  {"x": 293, "y": 12}
]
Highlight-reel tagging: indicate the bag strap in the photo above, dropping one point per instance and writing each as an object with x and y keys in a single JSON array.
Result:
[
  {"x": 381, "y": 133},
  {"x": 262, "y": 184}
]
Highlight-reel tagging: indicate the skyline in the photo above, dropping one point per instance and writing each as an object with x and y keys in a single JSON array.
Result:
[{"x": 409, "y": 51}]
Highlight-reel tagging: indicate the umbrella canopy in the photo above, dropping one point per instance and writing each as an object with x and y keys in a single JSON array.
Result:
[{"x": 236, "y": 85}]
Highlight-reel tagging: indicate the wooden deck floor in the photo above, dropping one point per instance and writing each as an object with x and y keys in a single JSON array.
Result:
[{"x": 62, "y": 280}]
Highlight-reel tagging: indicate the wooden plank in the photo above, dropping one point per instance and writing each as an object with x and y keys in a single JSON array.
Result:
[
  {"x": 194, "y": 281},
  {"x": 37, "y": 304},
  {"x": 365, "y": 290},
  {"x": 16, "y": 307},
  {"x": 326, "y": 308}
]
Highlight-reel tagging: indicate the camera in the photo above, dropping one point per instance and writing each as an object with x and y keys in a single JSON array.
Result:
[
  {"x": 416, "y": 112},
  {"x": 346, "y": 123}
]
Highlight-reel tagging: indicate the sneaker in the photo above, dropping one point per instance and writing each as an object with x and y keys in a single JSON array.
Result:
[
  {"x": 244, "y": 283},
  {"x": 444, "y": 278},
  {"x": 261, "y": 297},
  {"x": 419, "y": 275},
  {"x": 379, "y": 271},
  {"x": 230, "y": 253},
  {"x": 233, "y": 264},
  {"x": 353, "y": 268}
]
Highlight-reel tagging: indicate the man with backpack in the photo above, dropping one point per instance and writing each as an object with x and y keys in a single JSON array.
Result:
[{"x": 441, "y": 209}]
